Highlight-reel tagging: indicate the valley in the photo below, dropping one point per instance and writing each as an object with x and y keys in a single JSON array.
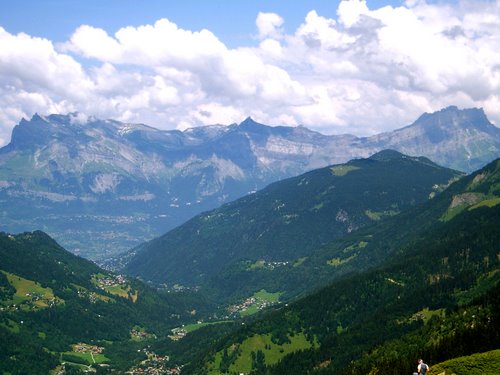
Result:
[{"x": 353, "y": 268}]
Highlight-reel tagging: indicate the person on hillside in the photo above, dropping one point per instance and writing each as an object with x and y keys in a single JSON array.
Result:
[{"x": 422, "y": 368}]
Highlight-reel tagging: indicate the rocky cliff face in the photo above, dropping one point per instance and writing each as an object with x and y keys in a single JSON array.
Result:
[{"x": 102, "y": 186}]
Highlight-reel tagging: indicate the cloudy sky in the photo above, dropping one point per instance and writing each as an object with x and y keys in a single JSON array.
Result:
[{"x": 355, "y": 66}]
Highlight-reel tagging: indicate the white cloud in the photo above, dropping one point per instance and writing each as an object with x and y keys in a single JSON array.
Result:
[
  {"x": 397, "y": 62},
  {"x": 34, "y": 77},
  {"x": 79, "y": 118},
  {"x": 216, "y": 113},
  {"x": 268, "y": 25},
  {"x": 95, "y": 43},
  {"x": 322, "y": 33},
  {"x": 272, "y": 49},
  {"x": 349, "y": 12},
  {"x": 367, "y": 71}
]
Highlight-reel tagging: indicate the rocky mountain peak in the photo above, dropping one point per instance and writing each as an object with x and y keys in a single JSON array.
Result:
[
  {"x": 250, "y": 125},
  {"x": 30, "y": 134},
  {"x": 453, "y": 117}
]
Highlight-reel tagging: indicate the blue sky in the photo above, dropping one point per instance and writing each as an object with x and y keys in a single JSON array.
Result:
[
  {"x": 352, "y": 66},
  {"x": 232, "y": 21}
]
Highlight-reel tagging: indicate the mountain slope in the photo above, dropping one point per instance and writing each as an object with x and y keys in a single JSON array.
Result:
[
  {"x": 101, "y": 186},
  {"x": 51, "y": 300},
  {"x": 367, "y": 247},
  {"x": 289, "y": 219},
  {"x": 436, "y": 297}
]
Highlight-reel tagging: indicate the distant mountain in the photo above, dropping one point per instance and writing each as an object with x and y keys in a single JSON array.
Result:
[
  {"x": 288, "y": 220},
  {"x": 55, "y": 307},
  {"x": 436, "y": 296},
  {"x": 459, "y": 139},
  {"x": 101, "y": 186}
]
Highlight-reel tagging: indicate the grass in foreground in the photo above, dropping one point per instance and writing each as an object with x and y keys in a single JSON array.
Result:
[{"x": 476, "y": 364}]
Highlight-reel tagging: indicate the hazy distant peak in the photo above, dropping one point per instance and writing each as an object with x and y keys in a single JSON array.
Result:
[
  {"x": 460, "y": 117},
  {"x": 249, "y": 123},
  {"x": 249, "y": 119},
  {"x": 37, "y": 117}
]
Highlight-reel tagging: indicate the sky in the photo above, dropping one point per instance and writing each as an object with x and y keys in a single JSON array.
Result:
[{"x": 352, "y": 66}]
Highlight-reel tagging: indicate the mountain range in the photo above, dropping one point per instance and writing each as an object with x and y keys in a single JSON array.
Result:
[{"x": 101, "y": 187}]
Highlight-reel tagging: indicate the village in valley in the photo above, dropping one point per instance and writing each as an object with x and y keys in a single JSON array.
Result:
[
  {"x": 251, "y": 305},
  {"x": 154, "y": 365},
  {"x": 248, "y": 306},
  {"x": 138, "y": 334},
  {"x": 112, "y": 280}
]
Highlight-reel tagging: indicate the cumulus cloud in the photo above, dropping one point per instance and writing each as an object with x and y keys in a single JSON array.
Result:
[
  {"x": 268, "y": 25},
  {"x": 366, "y": 71},
  {"x": 34, "y": 77},
  {"x": 349, "y": 12}
]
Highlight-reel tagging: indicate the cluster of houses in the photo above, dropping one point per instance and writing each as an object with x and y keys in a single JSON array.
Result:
[
  {"x": 91, "y": 296},
  {"x": 87, "y": 348},
  {"x": 266, "y": 264},
  {"x": 271, "y": 265},
  {"x": 154, "y": 365},
  {"x": 242, "y": 306},
  {"x": 104, "y": 282},
  {"x": 178, "y": 333},
  {"x": 177, "y": 288},
  {"x": 30, "y": 303},
  {"x": 248, "y": 303},
  {"x": 141, "y": 335}
]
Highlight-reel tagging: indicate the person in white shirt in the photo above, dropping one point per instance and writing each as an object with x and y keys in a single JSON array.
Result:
[{"x": 422, "y": 367}]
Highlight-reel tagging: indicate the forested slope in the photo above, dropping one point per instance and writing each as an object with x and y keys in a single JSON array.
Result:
[
  {"x": 51, "y": 300},
  {"x": 288, "y": 220},
  {"x": 435, "y": 297}
]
